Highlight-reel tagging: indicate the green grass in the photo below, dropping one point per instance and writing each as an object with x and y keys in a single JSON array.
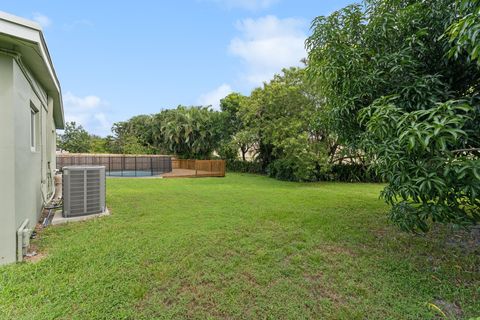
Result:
[{"x": 242, "y": 247}]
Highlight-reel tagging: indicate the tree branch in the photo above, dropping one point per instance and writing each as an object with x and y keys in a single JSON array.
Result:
[{"x": 466, "y": 150}]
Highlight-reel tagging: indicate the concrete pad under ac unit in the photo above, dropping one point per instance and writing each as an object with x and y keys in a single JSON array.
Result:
[{"x": 58, "y": 218}]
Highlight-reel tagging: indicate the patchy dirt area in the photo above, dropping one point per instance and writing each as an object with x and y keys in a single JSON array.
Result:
[
  {"x": 448, "y": 236},
  {"x": 34, "y": 255},
  {"x": 451, "y": 310},
  {"x": 468, "y": 240}
]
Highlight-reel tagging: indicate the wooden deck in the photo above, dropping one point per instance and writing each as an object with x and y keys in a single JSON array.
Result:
[{"x": 188, "y": 173}]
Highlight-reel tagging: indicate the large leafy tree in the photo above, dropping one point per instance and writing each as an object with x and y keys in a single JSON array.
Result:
[
  {"x": 282, "y": 117},
  {"x": 235, "y": 136},
  {"x": 189, "y": 132},
  {"x": 464, "y": 33},
  {"x": 134, "y": 136},
  {"x": 74, "y": 139},
  {"x": 230, "y": 106},
  {"x": 391, "y": 90},
  {"x": 98, "y": 144}
]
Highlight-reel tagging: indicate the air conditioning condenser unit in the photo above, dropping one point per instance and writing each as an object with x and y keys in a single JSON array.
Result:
[{"x": 83, "y": 190}]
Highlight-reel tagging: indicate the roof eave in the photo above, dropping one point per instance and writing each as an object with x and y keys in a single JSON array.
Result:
[{"x": 26, "y": 30}]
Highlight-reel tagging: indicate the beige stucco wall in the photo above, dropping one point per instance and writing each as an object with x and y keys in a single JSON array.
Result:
[{"x": 30, "y": 176}]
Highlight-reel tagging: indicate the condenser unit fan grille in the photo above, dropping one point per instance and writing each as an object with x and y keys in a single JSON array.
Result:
[{"x": 84, "y": 190}]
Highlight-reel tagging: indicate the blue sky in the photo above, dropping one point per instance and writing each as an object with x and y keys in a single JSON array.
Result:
[{"x": 117, "y": 59}]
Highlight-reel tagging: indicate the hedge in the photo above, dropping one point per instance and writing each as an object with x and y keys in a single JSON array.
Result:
[{"x": 337, "y": 172}]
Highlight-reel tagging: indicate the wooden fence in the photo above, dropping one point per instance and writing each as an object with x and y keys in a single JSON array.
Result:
[{"x": 197, "y": 168}]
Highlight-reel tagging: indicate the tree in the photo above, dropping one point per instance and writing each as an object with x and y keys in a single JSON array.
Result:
[
  {"x": 134, "y": 136},
  {"x": 281, "y": 116},
  {"x": 230, "y": 106},
  {"x": 131, "y": 145},
  {"x": 189, "y": 132},
  {"x": 233, "y": 139},
  {"x": 141, "y": 127},
  {"x": 391, "y": 90},
  {"x": 464, "y": 33},
  {"x": 244, "y": 141},
  {"x": 415, "y": 153},
  {"x": 98, "y": 144},
  {"x": 74, "y": 139}
]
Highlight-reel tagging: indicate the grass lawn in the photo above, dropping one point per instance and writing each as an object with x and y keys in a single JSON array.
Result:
[{"x": 244, "y": 247}]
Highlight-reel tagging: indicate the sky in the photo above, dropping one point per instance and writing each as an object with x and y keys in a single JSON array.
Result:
[{"x": 118, "y": 59}]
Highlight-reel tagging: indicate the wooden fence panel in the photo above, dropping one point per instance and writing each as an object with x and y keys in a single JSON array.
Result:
[
  {"x": 183, "y": 164},
  {"x": 210, "y": 168},
  {"x": 200, "y": 168}
]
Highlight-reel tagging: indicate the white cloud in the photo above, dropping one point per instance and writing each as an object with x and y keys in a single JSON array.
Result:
[
  {"x": 42, "y": 20},
  {"x": 269, "y": 44},
  {"x": 87, "y": 102},
  {"x": 82, "y": 23},
  {"x": 213, "y": 97},
  {"x": 253, "y": 5},
  {"x": 102, "y": 121},
  {"x": 87, "y": 111}
]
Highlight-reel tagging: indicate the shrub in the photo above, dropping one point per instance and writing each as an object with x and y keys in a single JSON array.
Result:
[
  {"x": 353, "y": 173},
  {"x": 245, "y": 166},
  {"x": 282, "y": 169}
]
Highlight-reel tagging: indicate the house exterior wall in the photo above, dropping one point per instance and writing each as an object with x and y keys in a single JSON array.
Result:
[
  {"x": 30, "y": 166},
  {"x": 7, "y": 162},
  {"x": 30, "y": 172}
]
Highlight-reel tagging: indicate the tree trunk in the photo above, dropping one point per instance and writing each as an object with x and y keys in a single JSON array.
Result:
[{"x": 243, "y": 153}]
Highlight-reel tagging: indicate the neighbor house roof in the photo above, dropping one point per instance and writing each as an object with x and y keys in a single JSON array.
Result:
[{"x": 24, "y": 38}]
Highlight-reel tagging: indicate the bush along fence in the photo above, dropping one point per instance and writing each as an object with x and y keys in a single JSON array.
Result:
[
  {"x": 245, "y": 166},
  {"x": 336, "y": 172}
]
